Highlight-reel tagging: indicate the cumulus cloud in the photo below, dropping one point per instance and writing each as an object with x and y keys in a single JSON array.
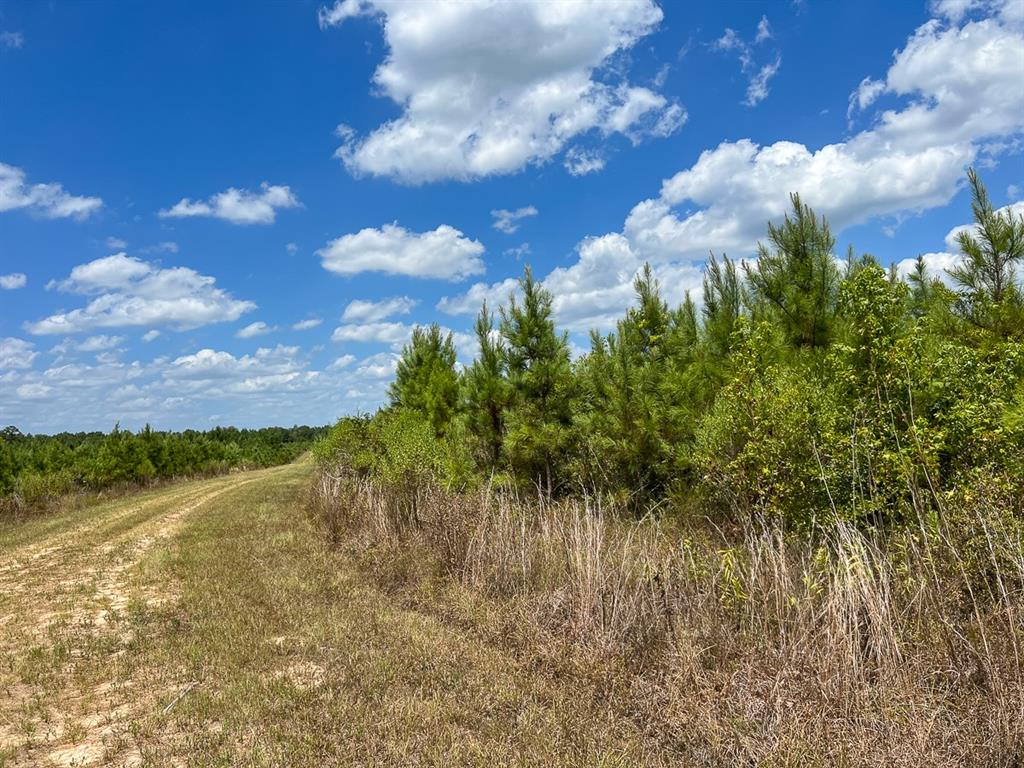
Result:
[
  {"x": 341, "y": 362},
  {"x": 274, "y": 384},
  {"x": 130, "y": 292},
  {"x": 47, "y": 200},
  {"x": 99, "y": 343},
  {"x": 259, "y": 328},
  {"x": 963, "y": 91},
  {"x": 213, "y": 364},
  {"x": 380, "y": 366},
  {"x": 489, "y": 88},
  {"x": 149, "y": 336},
  {"x": 394, "y": 334},
  {"x": 13, "y": 281},
  {"x": 593, "y": 292},
  {"x": 469, "y": 303},
  {"x": 443, "y": 253},
  {"x": 16, "y": 353},
  {"x": 239, "y": 206},
  {"x": 361, "y": 311},
  {"x": 963, "y": 101},
  {"x": 508, "y": 221},
  {"x": 305, "y": 325}
]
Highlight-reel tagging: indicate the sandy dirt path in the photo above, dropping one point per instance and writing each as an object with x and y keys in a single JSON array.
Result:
[{"x": 70, "y": 694}]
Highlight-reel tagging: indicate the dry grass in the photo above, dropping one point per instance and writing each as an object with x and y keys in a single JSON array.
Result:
[
  {"x": 210, "y": 624},
  {"x": 753, "y": 648}
]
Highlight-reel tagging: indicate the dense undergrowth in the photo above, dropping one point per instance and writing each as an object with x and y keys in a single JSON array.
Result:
[
  {"x": 792, "y": 522},
  {"x": 38, "y": 472}
]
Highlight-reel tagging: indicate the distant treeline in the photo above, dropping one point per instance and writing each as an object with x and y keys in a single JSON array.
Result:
[
  {"x": 35, "y": 467},
  {"x": 806, "y": 386}
]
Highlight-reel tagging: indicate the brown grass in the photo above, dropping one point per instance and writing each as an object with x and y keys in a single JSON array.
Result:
[{"x": 752, "y": 648}]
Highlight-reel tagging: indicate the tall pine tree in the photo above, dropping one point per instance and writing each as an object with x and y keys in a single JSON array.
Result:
[
  {"x": 990, "y": 297},
  {"x": 486, "y": 390},
  {"x": 425, "y": 380},
  {"x": 541, "y": 385},
  {"x": 795, "y": 278}
]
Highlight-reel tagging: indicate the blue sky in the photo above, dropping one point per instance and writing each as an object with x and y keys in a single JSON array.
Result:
[{"x": 237, "y": 218}]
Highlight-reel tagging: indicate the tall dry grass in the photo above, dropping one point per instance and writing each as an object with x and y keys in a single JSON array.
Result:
[{"x": 754, "y": 647}]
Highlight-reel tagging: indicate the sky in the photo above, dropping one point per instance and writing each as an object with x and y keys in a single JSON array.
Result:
[{"x": 236, "y": 213}]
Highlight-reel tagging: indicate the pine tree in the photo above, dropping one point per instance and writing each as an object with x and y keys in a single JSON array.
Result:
[
  {"x": 723, "y": 296},
  {"x": 540, "y": 379},
  {"x": 636, "y": 412},
  {"x": 795, "y": 278},
  {"x": 426, "y": 381},
  {"x": 990, "y": 297},
  {"x": 486, "y": 390}
]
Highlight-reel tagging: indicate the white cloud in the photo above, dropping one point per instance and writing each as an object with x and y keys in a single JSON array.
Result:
[
  {"x": 239, "y": 206},
  {"x": 360, "y": 311},
  {"x": 758, "y": 76},
  {"x": 939, "y": 262},
  {"x": 259, "y": 328},
  {"x": 342, "y": 362},
  {"x": 13, "y": 281},
  {"x": 291, "y": 248},
  {"x": 519, "y": 251},
  {"x": 341, "y": 10},
  {"x": 213, "y": 364},
  {"x": 393, "y": 334},
  {"x": 963, "y": 92},
  {"x": 47, "y": 200},
  {"x": 99, "y": 343},
  {"x": 580, "y": 162},
  {"x": 132, "y": 292},
  {"x": 489, "y": 88},
  {"x": 508, "y": 221},
  {"x": 33, "y": 391},
  {"x": 149, "y": 336},
  {"x": 273, "y": 385},
  {"x": 865, "y": 95},
  {"x": 11, "y": 39},
  {"x": 757, "y": 89},
  {"x": 16, "y": 353},
  {"x": 380, "y": 366},
  {"x": 593, "y": 292},
  {"x": 964, "y": 89},
  {"x": 116, "y": 243},
  {"x": 305, "y": 325},
  {"x": 469, "y": 303},
  {"x": 442, "y": 253},
  {"x": 954, "y": 10}
]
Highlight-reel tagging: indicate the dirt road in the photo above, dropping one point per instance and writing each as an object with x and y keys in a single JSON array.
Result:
[
  {"x": 72, "y": 591},
  {"x": 210, "y": 624}
]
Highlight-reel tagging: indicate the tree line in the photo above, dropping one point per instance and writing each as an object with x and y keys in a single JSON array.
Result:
[
  {"x": 36, "y": 467},
  {"x": 805, "y": 385}
]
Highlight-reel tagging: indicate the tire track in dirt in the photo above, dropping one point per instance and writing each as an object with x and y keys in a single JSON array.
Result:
[{"x": 70, "y": 593}]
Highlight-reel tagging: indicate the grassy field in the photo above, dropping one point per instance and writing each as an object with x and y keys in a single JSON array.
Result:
[{"x": 207, "y": 623}]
